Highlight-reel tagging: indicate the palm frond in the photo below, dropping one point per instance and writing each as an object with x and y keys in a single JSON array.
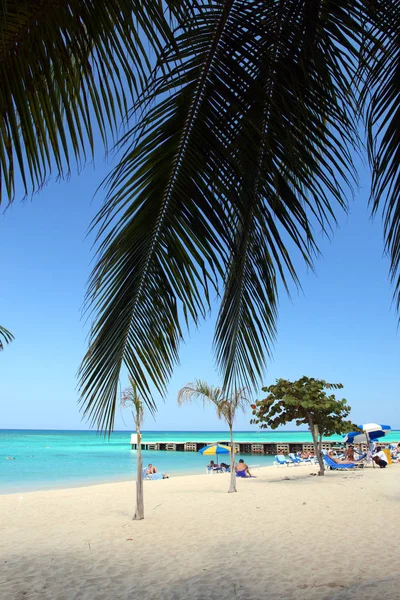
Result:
[
  {"x": 242, "y": 150},
  {"x": 131, "y": 399},
  {"x": 292, "y": 147},
  {"x": 381, "y": 102},
  {"x": 200, "y": 390},
  {"x": 5, "y": 337},
  {"x": 67, "y": 68},
  {"x": 160, "y": 230}
]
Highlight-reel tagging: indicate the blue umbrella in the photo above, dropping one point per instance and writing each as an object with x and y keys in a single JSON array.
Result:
[
  {"x": 370, "y": 432},
  {"x": 359, "y": 437}
]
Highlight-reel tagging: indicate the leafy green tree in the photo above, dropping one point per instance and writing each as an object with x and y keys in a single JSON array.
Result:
[
  {"x": 130, "y": 399},
  {"x": 227, "y": 408},
  {"x": 306, "y": 402},
  {"x": 5, "y": 337}
]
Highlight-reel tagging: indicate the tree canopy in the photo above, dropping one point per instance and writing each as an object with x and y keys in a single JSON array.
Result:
[{"x": 306, "y": 402}]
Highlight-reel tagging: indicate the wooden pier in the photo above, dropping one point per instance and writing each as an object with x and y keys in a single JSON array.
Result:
[{"x": 240, "y": 447}]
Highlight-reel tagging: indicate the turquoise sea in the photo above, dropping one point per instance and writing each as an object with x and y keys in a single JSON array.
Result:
[{"x": 33, "y": 459}]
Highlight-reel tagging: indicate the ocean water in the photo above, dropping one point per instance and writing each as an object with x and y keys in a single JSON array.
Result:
[{"x": 33, "y": 460}]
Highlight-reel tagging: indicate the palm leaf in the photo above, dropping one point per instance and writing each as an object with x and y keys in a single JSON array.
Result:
[
  {"x": 293, "y": 153},
  {"x": 5, "y": 337},
  {"x": 380, "y": 102},
  {"x": 68, "y": 69},
  {"x": 241, "y": 152}
]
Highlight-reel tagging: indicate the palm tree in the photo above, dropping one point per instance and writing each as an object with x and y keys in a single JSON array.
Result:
[
  {"x": 5, "y": 337},
  {"x": 241, "y": 149},
  {"x": 130, "y": 399},
  {"x": 227, "y": 408}
]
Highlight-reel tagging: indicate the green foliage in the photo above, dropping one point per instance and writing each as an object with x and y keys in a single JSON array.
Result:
[
  {"x": 227, "y": 407},
  {"x": 306, "y": 402},
  {"x": 68, "y": 68},
  {"x": 131, "y": 399},
  {"x": 5, "y": 337},
  {"x": 240, "y": 146}
]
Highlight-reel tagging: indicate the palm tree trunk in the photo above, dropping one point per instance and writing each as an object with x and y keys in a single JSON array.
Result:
[
  {"x": 232, "y": 487},
  {"x": 139, "y": 511}
]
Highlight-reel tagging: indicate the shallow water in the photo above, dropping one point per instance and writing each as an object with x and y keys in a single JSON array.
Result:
[{"x": 32, "y": 460}]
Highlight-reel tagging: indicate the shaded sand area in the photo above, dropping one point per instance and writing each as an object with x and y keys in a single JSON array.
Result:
[{"x": 284, "y": 539}]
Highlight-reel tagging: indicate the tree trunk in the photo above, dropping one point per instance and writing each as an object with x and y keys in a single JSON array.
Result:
[
  {"x": 317, "y": 446},
  {"x": 232, "y": 487},
  {"x": 139, "y": 511}
]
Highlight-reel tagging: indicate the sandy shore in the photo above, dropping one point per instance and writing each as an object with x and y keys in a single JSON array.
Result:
[{"x": 284, "y": 539}]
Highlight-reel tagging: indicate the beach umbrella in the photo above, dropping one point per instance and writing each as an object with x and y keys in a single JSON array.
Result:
[
  {"x": 359, "y": 437},
  {"x": 370, "y": 432},
  {"x": 375, "y": 427},
  {"x": 215, "y": 449}
]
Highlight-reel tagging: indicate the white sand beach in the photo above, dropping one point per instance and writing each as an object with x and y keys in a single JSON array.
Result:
[{"x": 284, "y": 535}]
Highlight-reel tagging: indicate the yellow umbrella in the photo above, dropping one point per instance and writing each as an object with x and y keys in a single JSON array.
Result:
[{"x": 215, "y": 449}]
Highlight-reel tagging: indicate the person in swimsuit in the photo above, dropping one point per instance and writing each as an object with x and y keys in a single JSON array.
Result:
[
  {"x": 339, "y": 460},
  {"x": 242, "y": 470},
  {"x": 151, "y": 469},
  {"x": 350, "y": 454}
]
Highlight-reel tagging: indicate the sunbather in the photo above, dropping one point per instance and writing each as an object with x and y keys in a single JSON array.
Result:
[
  {"x": 213, "y": 467},
  {"x": 340, "y": 461},
  {"x": 151, "y": 469},
  {"x": 242, "y": 470},
  {"x": 350, "y": 454}
]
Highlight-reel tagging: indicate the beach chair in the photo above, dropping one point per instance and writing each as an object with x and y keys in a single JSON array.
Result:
[
  {"x": 216, "y": 469},
  {"x": 281, "y": 461},
  {"x": 361, "y": 457},
  {"x": 336, "y": 466},
  {"x": 295, "y": 460},
  {"x": 151, "y": 476}
]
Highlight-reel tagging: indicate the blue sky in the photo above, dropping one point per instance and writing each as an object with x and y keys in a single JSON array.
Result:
[{"x": 342, "y": 327}]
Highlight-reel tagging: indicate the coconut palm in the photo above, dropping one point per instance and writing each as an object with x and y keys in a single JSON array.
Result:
[
  {"x": 227, "y": 408},
  {"x": 5, "y": 337},
  {"x": 241, "y": 150},
  {"x": 130, "y": 399}
]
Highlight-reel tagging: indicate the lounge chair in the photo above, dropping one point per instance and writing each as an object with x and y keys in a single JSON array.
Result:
[
  {"x": 151, "y": 476},
  {"x": 215, "y": 469},
  {"x": 295, "y": 460},
  {"x": 281, "y": 461},
  {"x": 338, "y": 466},
  {"x": 361, "y": 457}
]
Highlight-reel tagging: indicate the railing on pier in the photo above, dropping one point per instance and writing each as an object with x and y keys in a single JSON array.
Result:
[{"x": 270, "y": 448}]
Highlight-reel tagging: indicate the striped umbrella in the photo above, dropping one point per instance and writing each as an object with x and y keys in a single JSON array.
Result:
[
  {"x": 370, "y": 432},
  {"x": 215, "y": 449}
]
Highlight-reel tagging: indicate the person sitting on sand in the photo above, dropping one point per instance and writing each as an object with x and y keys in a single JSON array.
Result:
[
  {"x": 151, "y": 469},
  {"x": 380, "y": 458},
  {"x": 242, "y": 470}
]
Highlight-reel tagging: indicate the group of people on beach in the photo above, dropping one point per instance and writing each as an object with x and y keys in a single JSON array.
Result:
[
  {"x": 241, "y": 469},
  {"x": 375, "y": 454}
]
